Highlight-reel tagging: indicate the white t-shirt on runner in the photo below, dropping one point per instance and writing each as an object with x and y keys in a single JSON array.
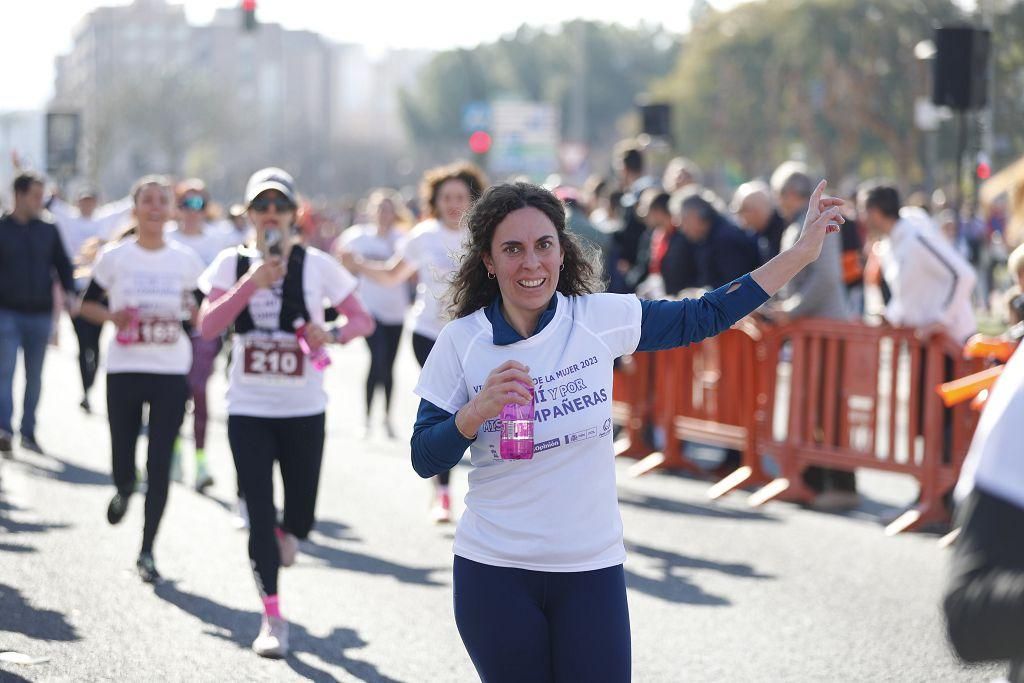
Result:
[
  {"x": 269, "y": 376},
  {"x": 207, "y": 244},
  {"x": 159, "y": 283},
  {"x": 388, "y": 304},
  {"x": 559, "y": 511},
  {"x": 434, "y": 250}
]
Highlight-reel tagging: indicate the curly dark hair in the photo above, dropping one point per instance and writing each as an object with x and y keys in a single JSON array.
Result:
[
  {"x": 471, "y": 289},
  {"x": 433, "y": 179}
]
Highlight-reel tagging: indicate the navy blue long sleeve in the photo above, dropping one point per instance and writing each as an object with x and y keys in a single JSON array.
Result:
[
  {"x": 437, "y": 444},
  {"x": 668, "y": 324}
]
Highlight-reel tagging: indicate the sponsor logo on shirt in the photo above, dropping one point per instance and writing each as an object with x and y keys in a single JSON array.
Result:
[
  {"x": 547, "y": 445},
  {"x": 583, "y": 434}
]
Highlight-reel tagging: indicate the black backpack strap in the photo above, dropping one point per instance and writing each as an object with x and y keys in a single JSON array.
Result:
[
  {"x": 244, "y": 322},
  {"x": 293, "y": 301}
]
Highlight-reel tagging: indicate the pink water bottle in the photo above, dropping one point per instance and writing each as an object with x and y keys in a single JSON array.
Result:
[
  {"x": 129, "y": 334},
  {"x": 517, "y": 431},
  {"x": 319, "y": 358}
]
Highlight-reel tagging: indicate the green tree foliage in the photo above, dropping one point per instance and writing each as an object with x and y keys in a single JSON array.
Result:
[
  {"x": 837, "y": 77},
  {"x": 1008, "y": 88},
  {"x": 593, "y": 68}
]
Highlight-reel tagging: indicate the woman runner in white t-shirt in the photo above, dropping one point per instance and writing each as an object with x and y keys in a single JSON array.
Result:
[
  {"x": 378, "y": 240},
  {"x": 145, "y": 285},
  {"x": 276, "y": 399},
  {"x": 539, "y": 587},
  {"x": 431, "y": 252}
]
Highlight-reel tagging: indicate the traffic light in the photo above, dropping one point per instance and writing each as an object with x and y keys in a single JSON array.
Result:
[
  {"x": 480, "y": 142},
  {"x": 249, "y": 15},
  {"x": 984, "y": 170}
]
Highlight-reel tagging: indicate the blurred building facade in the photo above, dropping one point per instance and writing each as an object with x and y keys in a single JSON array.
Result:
[
  {"x": 21, "y": 136},
  {"x": 160, "y": 95}
]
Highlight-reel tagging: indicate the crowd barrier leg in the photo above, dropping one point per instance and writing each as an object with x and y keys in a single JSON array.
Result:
[
  {"x": 633, "y": 410},
  {"x": 671, "y": 372},
  {"x": 753, "y": 389}
]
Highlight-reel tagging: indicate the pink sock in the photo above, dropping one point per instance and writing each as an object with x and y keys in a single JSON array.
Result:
[
  {"x": 272, "y": 606},
  {"x": 279, "y": 532}
]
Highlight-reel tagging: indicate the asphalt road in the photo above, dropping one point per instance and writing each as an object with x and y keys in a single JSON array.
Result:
[{"x": 717, "y": 592}]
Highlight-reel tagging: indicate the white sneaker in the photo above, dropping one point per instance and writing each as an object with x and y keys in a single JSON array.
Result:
[
  {"x": 272, "y": 642},
  {"x": 241, "y": 520},
  {"x": 176, "y": 475},
  {"x": 288, "y": 546},
  {"x": 203, "y": 478}
]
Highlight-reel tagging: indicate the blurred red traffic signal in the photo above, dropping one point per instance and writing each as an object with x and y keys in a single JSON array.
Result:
[
  {"x": 480, "y": 142},
  {"x": 249, "y": 14}
]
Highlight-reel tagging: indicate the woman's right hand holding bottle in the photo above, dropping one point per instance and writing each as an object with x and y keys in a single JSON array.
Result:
[
  {"x": 507, "y": 383},
  {"x": 267, "y": 273},
  {"x": 122, "y": 319}
]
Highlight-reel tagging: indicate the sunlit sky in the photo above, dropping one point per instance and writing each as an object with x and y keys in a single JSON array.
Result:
[{"x": 33, "y": 33}]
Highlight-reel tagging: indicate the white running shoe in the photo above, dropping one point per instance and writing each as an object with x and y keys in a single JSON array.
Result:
[
  {"x": 241, "y": 520},
  {"x": 441, "y": 513},
  {"x": 272, "y": 642},
  {"x": 203, "y": 478},
  {"x": 176, "y": 475},
  {"x": 288, "y": 546}
]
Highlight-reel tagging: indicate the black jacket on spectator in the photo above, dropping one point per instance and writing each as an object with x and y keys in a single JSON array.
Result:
[
  {"x": 769, "y": 241},
  {"x": 677, "y": 267},
  {"x": 30, "y": 253},
  {"x": 625, "y": 243},
  {"x": 726, "y": 253}
]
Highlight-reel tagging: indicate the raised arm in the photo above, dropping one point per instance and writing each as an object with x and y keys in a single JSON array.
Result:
[
  {"x": 823, "y": 217},
  {"x": 668, "y": 324}
]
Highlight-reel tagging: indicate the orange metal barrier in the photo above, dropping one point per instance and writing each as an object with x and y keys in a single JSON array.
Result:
[
  {"x": 856, "y": 396},
  {"x": 706, "y": 393},
  {"x": 632, "y": 403}
]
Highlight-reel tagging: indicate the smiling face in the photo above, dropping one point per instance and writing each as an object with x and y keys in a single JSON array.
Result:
[
  {"x": 152, "y": 210},
  {"x": 525, "y": 258}
]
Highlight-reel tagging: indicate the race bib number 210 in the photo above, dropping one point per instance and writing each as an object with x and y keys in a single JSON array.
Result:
[{"x": 273, "y": 361}]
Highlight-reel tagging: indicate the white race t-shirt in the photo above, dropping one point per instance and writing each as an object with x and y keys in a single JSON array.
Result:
[
  {"x": 159, "y": 283},
  {"x": 434, "y": 250},
  {"x": 387, "y": 304},
  {"x": 559, "y": 511},
  {"x": 994, "y": 461},
  {"x": 269, "y": 376},
  {"x": 207, "y": 244}
]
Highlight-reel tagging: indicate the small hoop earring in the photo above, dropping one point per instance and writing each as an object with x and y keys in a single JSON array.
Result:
[
  {"x": 490, "y": 275},
  {"x": 561, "y": 267}
]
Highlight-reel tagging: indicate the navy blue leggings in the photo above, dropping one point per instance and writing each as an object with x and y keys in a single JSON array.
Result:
[{"x": 521, "y": 625}]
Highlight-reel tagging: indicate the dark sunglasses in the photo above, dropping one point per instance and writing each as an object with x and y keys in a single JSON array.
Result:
[
  {"x": 192, "y": 203},
  {"x": 263, "y": 204}
]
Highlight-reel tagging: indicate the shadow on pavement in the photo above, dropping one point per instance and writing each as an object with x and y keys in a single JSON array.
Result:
[
  {"x": 367, "y": 564},
  {"x": 681, "y": 508},
  {"x": 674, "y": 587},
  {"x": 9, "y": 677},
  {"x": 336, "y": 531},
  {"x": 18, "y": 616},
  {"x": 11, "y": 526},
  {"x": 9, "y": 548},
  {"x": 69, "y": 473},
  {"x": 241, "y": 627}
]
